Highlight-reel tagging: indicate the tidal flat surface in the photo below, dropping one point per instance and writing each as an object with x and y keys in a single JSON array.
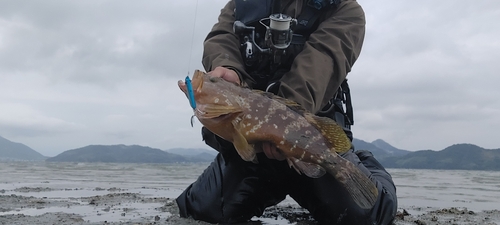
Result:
[{"x": 116, "y": 193}]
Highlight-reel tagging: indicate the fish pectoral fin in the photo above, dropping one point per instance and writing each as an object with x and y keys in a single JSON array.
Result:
[
  {"x": 216, "y": 111},
  {"x": 198, "y": 77},
  {"x": 332, "y": 131},
  {"x": 245, "y": 150},
  {"x": 309, "y": 169},
  {"x": 292, "y": 165}
]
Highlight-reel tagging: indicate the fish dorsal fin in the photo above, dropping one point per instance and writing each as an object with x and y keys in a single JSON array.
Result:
[
  {"x": 309, "y": 169},
  {"x": 245, "y": 150},
  {"x": 332, "y": 132}
]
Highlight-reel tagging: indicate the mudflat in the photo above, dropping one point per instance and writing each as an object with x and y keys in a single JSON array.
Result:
[{"x": 98, "y": 193}]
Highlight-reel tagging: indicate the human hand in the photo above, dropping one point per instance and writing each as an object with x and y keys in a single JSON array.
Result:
[
  {"x": 226, "y": 74},
  {"x": 272, "y": 152}
]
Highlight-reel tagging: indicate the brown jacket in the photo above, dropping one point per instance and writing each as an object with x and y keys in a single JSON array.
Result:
[{"x": 317, "y": 71}]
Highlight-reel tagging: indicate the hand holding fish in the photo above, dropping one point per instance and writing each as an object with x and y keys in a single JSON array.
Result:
[
  {"x": 272, "y": 152},
  {"x": 226, "y": 74}
]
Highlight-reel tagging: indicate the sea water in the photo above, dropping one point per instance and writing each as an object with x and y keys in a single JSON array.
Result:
[
  {"x": 425, "y": 189},
  {"x": 474, "y": 190}
]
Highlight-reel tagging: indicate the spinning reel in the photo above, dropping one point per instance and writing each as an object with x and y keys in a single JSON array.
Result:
[{"x": 278, "y": 36}]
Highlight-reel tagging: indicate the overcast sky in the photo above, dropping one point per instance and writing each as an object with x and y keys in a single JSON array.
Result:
[{"x": 75, "y": 73}]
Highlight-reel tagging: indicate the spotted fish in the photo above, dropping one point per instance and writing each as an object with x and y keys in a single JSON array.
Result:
[{"x": 247, "y": 117}]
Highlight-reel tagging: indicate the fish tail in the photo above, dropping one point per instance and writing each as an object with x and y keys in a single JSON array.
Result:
[{"x": 362, "y": 190}]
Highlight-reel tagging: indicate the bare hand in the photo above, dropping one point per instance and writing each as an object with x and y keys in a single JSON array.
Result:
[
  {"x": 272, "y": 152},
  {"x": 226, "y": 74}
]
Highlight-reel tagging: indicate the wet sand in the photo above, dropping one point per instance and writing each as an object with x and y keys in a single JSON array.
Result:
[
  {"x": 145, "y": 194},
  {"x": 122, "y": 207}
]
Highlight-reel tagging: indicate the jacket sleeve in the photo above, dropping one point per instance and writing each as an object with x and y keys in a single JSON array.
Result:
[
  {"x": 327, "y": 57},
  {"x": 222, "y": 46},
  {"x": 316, "y": 72}
]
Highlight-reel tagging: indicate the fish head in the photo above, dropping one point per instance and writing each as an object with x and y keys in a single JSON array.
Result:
[{"x": 216, "y": 100}]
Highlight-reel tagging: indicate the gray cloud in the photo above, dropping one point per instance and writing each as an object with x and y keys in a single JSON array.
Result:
[
  {"x": 426, "y": 77},
  {"x": 74, "y": 73}
]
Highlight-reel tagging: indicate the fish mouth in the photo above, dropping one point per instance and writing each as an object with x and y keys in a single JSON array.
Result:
[{"x": 182, "y": 86}]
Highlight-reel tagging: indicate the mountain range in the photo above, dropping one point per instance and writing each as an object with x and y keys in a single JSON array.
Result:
[
  {"x": 379, "y": 148},
  {"x": 129, "y": 154},
  {"x": 458, "y": 156},
  {"x": 12, "y": 151}
]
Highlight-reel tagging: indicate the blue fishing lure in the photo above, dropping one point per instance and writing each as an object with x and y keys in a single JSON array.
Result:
[{"x": 190, "y": 92}]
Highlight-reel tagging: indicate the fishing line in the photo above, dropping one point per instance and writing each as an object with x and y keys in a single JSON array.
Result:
[
  {"x": 192, "y": 37},
  {"x": 187, "y": 80}
]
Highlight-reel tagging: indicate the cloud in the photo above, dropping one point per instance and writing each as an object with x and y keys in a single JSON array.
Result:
[
  {"x": 426, "y": 76},
  {"x": 21, "y": 119},
  {"x": 100, "y": 42},
  {"x": 75, "y": 73}
]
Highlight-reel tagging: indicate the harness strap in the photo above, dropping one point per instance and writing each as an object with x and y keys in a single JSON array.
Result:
[
  {"x": 335, "y": 107},
  {"x": 306, "y": 20},
  {"x": 347, "y": 101}
]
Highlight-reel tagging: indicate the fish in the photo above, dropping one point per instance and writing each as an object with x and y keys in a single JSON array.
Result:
[{"x": 248, "y": 117}]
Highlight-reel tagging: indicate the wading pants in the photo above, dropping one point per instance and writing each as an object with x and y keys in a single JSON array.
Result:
[{"x": 231, "y": 190}]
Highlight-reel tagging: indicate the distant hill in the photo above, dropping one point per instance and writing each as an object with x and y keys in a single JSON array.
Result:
[
  {"x": 459, "y": 156},
  {"x": 379, "y": 148},
  {"x": 118, "y": 154},
  {"x": 12, "y": 151},
  {"x": 191, "y": 151},
  {"x": 195, "y": 154},
  {"x": 203, "y": 157},
  {"x": 389, "y": 149}
]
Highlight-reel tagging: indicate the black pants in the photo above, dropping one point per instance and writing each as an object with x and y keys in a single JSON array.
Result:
[{"x": 231, "y": 190}]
